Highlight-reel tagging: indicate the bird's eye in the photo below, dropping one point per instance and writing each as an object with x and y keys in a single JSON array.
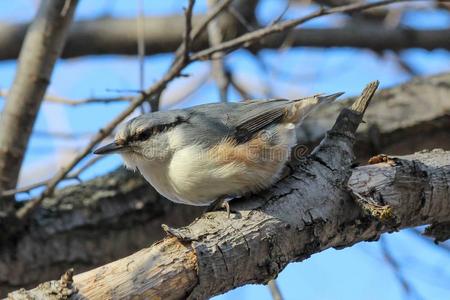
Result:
[{"x": 144, "y": 135}]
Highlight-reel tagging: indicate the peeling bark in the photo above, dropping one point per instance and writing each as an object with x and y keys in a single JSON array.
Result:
[{"x": 91, "y": 224}]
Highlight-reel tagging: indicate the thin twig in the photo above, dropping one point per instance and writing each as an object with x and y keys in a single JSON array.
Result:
[
  {"x": 280, "y": 16},
  {"x": 91, "y": 100},
  {"x": 238, "y": 87},
  {"x": 274, "y": 290},
  {"x": 90, "y": 163},
  {"x": 247, "y": 39},
  {"x": 171, "y": 98},
  {"x": 186, "y": 45},
  {"x": 218, "y": 67},
  {"x": 394, "y": 265},
  {"x": 238, "y": 16},
  {"x": 155, "y": 89},
  {"x": 140, "y": 33},
  {"x": 61, "y": 134},
  {"x": 75, "y": 175},
  {"x": 195, "y": 33}
]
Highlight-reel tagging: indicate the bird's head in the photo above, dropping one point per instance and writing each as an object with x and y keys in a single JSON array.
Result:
[{"x": 146, "y": 138}]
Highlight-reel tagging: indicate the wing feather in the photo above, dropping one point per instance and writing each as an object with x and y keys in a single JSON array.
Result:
[{"x": 257, "y": 115}]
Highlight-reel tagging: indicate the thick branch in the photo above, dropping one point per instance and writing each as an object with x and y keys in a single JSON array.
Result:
[
  {"x": 115, "y": 36},
  {"x": 376, "y": 38},
  {"x": 42, "y": 46},
  {"x": 296, "y": 220},
  {"x": 122, "y": 207}
]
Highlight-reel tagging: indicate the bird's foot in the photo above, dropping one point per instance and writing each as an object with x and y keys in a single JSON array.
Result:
[{"x": 218, "y": 204}]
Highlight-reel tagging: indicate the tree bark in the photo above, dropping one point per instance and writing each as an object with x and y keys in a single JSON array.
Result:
[
  {"x": 323, "y": 203},
  {"x": 114, "y": 36},
  {"x": 43, "y": 43},
  {"x": 87, "y": 225}
]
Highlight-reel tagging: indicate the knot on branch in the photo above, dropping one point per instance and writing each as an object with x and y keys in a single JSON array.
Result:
[
  {"x": 53, "y": 290},
  {"x": 440, "y": 231}
]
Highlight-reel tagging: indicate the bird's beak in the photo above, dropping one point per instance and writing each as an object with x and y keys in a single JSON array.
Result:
[{"x": 109, "y": 149}]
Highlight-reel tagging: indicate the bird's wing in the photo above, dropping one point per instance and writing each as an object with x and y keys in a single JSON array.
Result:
[
  {"x": 256, "y": 115},
  {"x": 242, "y": 120}
]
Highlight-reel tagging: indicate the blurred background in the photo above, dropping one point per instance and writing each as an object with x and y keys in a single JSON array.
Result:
[{"x": 403, "y": 265}]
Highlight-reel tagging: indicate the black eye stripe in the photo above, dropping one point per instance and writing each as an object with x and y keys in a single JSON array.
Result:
[
  {"x": 144, "y": 135},
  {"x": 147, "y": 133}
]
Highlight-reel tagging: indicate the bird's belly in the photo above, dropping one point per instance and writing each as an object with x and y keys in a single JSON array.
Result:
[
  {"x": 198, "y": 177},
  {"x": 189, "y": 185}
]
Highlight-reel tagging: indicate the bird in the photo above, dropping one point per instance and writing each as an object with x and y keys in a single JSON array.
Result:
[{"x": 207, "y": 154}]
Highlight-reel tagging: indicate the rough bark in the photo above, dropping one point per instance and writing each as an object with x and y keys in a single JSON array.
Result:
[
  {"x": 302, "y": 215},
  {"x": 114, "y": 36},
  {"x": 88, "y": 225},
  {"x": 323, "y": 203},
  {"x": 43, "y": 43}
]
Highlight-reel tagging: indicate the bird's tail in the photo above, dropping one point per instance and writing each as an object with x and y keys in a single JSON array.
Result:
[{"x": 301, "y": 108}]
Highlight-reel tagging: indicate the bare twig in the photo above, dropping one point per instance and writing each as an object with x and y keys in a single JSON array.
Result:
[
  {"x": 187, "y": 39},
  {"x": 213, "y": 13},
  {"x": 174, "y": 96},
  {"x": 236, "y": 14},
  {"x": 247, "y": 39},
  {"x": 274, "y": 290},
  {"x": 61, "y": 134},
  {"x": 75, "y": 175},
  {"x": 218, "y": 67},
  {"x": 238, "y": 87},
  {"x": 281, "y": 15},
  {"x": 76, "y": 102},
  {"x": 140, "y": 33},
  {"x": 90, "y": 163},
  {"x": 36, "y": 62},
  {"x": 393, "y": 264}
]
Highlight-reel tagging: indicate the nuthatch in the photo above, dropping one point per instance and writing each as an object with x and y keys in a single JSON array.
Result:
[{"x": 212, "y": 152}]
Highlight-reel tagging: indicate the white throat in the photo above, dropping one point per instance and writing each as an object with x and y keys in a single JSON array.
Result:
[{"x": 155, "y": 172}]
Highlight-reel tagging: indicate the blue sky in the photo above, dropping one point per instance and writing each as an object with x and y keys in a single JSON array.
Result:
[{"x": 359, "y": 272}]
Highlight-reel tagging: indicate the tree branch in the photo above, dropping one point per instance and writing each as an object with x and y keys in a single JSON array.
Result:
[
  {"x": 43, "y": 44},
  {"x": 377, "y": 38},
  {"x": 116, "y": 36},
  {"x": 218, "y": 66},
  {"x": 248, "y": 39},
  {"x": 88, "y": 214},
  {"x": 307, "y": 212}
]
